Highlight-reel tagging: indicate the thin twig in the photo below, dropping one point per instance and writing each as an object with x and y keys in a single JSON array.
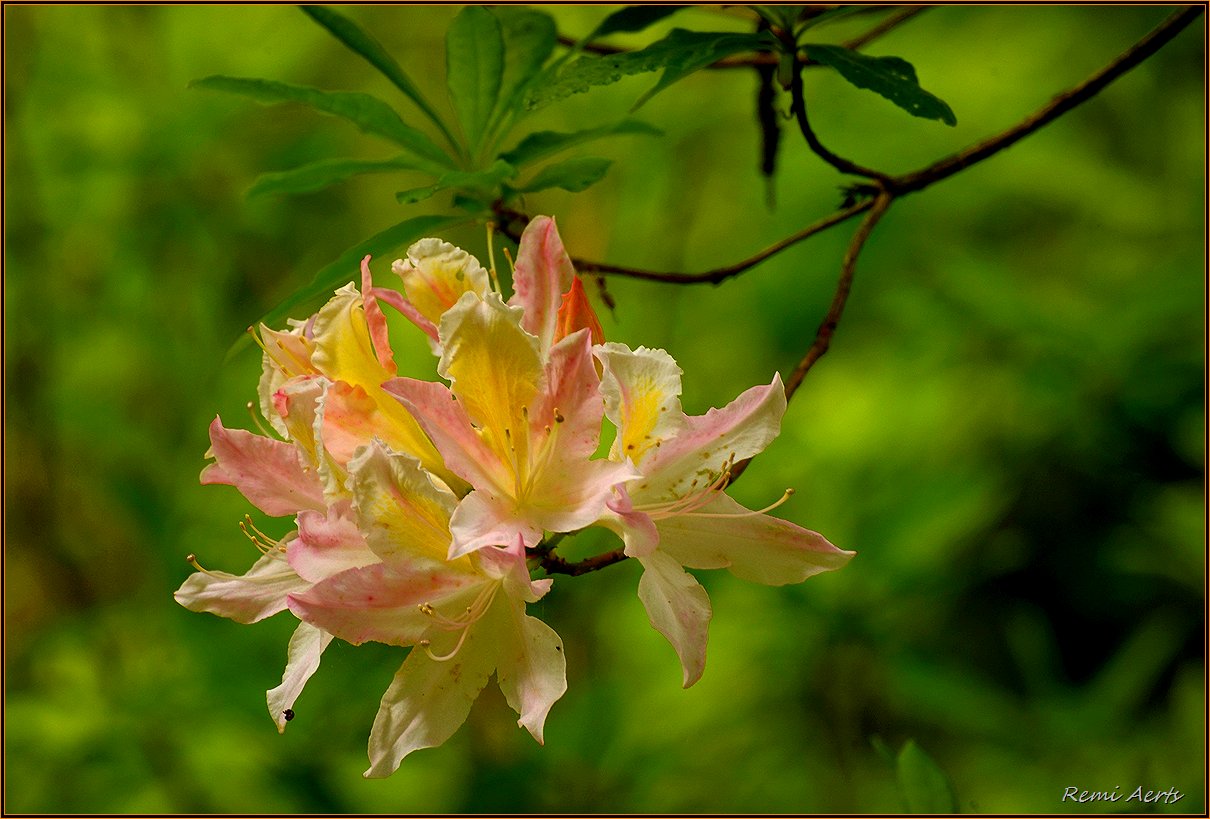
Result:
[
  {"x": 894, "y": 187},
  {"x": 509, "y": 218},
  {"x": 798, "y": 106},
  {"x": 823, "y": 336},
  {"x": 553, "y": 564},
  {"x": 1060, "y": 105},
  {"x": 848, "y": 266},
  {"x": 889, "y": 24},
  {"x": 915, "y": 180}
]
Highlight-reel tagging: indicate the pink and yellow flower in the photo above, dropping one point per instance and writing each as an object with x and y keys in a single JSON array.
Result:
[{"x": 677, "y": 513}]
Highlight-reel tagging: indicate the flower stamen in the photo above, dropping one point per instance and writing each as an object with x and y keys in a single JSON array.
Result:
[{"x": 746, "y": 514}]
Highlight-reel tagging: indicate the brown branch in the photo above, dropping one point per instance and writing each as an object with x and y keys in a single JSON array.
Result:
[
  {"x": 890, "y": 189},
  {"x": 889, "y": 24},
  {"x": 848, "y": 266},
  {"x": 1060, "y": 105},
  {"x": 915, "y": 180},
  {"x": 507, "y": 219},
  {"x": 798, "y": 106},
  {"x": 823, "y": 336},
  {"x": 553, "y": 564}
]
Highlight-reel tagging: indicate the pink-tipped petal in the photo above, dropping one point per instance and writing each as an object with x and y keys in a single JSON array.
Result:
[
  {"x": 480, "y": 522},
  {"x": 737, "y": 431},
  {"x": 508, "y": 565},
  {"x": 636, "y": 529},
  {"x": 306, "y": 646},
  {"x": 568, "y": 407},
  {"x": 269, "y": 473},
  {"x": 409, "y": 310},
  {"x": 543, "y": 274},
  {"x": 376, "y": 321},
  {"x": 247, "y": 598},
  {"x": 374, "y": 603},
  {"x": 327, "y": 544},
  {"x": 443, "y": 418},
  {"x": 571, "y": 494},
  {"x": 755, "y": 547},
  {"x": 678, "y": 608}
]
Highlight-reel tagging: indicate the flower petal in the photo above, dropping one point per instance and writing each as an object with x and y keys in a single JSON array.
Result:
[
  {"x": 636, "y": 529},
  {"x": 269, "y": 473},
  {"x": 344, "y": 351},
  {"x": 247, "y": 598},
  {"x": 642, "y": 391},
  {"x": 445, "y": 421},
  {"x": 568, "y": 409},
  {"x": 429, "y": 699},
  {"x": 344, "y": 347},
  {"x": 404, "y": 516},
  {"x": 493, "y": 364},
  {"x": 396, "y": 300},
  {"x": 737, "y": 431},
  {"x": 376, "y": 321},
  {"x": 379, "y": 604},
  {"x": 435, "y": 275},
  {"x": 678, "y": 608},
  {"x": 576, "y": 313},
  {"x": 287, "y": 355},
  {"x": 542, "y": 275},
  {"x": 328, "y": 543},
  {"x": 481, "y": 521},
  {"x": 755, "y": 547},
  {"x": 532, "y": 670},
  {"x": 570, "y": 494},
  {"x": 306, "y": 646}
]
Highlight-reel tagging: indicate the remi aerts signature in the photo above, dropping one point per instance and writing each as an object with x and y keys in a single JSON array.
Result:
[{"x": 1139, "y": 794}]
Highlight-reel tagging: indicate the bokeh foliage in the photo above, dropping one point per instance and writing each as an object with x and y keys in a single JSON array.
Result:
[{"x": 1008, "y": 428}]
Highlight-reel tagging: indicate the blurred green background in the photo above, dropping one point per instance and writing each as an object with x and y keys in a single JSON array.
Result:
[{"x": 1008, "y": 428}]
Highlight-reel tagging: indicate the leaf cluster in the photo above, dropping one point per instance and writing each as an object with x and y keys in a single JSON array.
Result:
[{"x": 501, "y": 66}]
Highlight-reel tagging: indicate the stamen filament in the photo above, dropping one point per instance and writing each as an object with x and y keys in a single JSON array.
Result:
[
  {"x": 452, "y": 654},
  {"x": 491, "y": 257},
  {"x": 256, "y": 419},
  {"x": 746, "y": 514}
]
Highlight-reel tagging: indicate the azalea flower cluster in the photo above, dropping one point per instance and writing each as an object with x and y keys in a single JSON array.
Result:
[{"x": 422, "y": 509}]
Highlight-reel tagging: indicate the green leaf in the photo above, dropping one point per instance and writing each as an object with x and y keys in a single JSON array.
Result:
[
  {"x": 361, "y": 43},
  {"x": 923, "y": 785},
  {"x": 572, "y": 175},
  {"x": 473, "y": 181},
  {"x": 474, "y": 67},
  {"x": 679, "y": 54},
  {"x": 368, "y": 113},
  {"x": 529, "y": 39},
  {"x": 319, "y": 175},
  {"x": 542, "y": 144},
  {"x": 346, "y": 266},
  {"x": 631, "y": 19},
  {"x": 890, "y": 77}
]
